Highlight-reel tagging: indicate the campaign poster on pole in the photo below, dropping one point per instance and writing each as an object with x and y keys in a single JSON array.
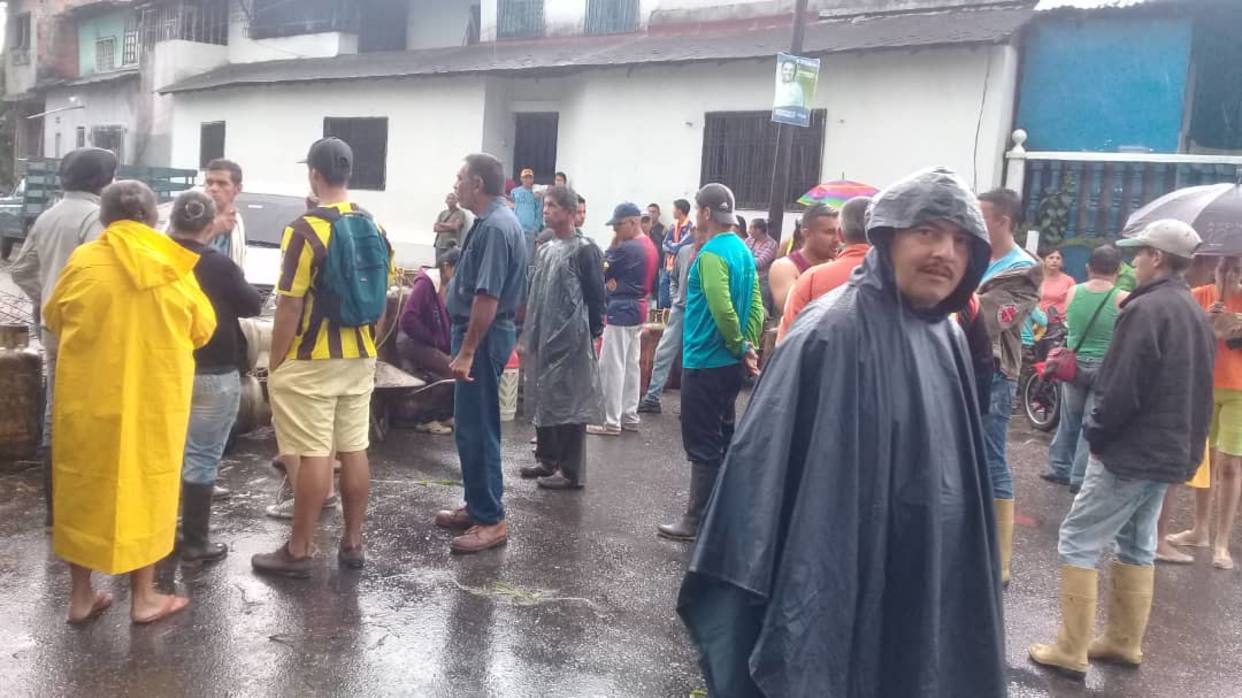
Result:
[{"x": 796, "y": 79}]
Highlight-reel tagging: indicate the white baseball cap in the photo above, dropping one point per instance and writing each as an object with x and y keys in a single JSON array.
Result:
[{"x": 1168, "y": 235}]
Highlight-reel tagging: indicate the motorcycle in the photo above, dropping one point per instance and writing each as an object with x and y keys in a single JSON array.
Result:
[{"x": 1040, "y": 394}]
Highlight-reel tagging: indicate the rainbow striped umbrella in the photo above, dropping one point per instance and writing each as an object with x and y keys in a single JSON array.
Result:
[{"x": 836, "y": 193}]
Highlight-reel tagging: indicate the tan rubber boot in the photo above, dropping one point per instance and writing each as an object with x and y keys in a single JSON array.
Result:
[
  {"x": 1128, "y": 608},
  {"x": 1068, "y": 654},
  {"x": 1004, "y": 535}
]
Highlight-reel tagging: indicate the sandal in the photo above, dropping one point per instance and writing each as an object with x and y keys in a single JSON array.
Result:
[
  {"x": 103, "y": 601},
  {"x": 352, "y": 558},
  {"x": 172, "y": 604},
  {"x": 1222, "y": 561}
]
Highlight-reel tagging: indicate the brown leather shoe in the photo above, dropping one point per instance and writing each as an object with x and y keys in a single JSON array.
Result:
[
  {"x": 454, "y": 519},
  {"x": 480, "y": 538}
]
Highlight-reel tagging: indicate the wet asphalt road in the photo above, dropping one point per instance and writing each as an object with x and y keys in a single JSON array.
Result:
[{"x": 580, "y": 602}]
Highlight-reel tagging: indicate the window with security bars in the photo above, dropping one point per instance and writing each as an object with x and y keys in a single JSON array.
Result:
[
  {"x": 368, "y": 138},
  {"x": 202, "y": 21},
  {"x": 110, "y": 138},
  {"x": 210, "y": 142},
  {"x": 519, "y": 19},
  {"x": 273, "y": 18},
  {"x": 739, "y": 149},
  {"x": 130, "y": 46},
  {"x": 19, "y": 39},
  {"x": 105, "y": 55},
  {"x": 611, "y": 16}
]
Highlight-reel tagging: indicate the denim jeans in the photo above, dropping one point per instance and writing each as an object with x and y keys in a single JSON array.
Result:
[
  {"x": 49, "y": 356},
  {"x": 1067, "y": 457},
  {"x": 213, "y": 410},
  {"x": 1110, "y": 507},
  {"x": 996, "y": 434},
  {"x": 664, "y": 289},
  {"x": 666, "y": 352},
  {"x": 476, "y": 415}
]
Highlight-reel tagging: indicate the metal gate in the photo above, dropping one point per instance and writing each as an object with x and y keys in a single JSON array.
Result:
[
  {"x": 519, "y": 19},
  {"x": 611, "y": 16}
]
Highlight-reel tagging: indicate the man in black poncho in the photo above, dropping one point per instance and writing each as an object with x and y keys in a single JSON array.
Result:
[{"x": 849, "y": 547}]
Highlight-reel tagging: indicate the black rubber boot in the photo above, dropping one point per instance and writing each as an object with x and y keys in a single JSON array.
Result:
[
  {"x": 702, "y": 479},
  {"x": 195, "y": 518},
  {"x": 47, "y": 487}
]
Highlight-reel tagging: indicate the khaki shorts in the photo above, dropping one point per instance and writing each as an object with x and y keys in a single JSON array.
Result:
[
  {"x": 322, "y": 406},
  {"x": 1226, "y": 435}
]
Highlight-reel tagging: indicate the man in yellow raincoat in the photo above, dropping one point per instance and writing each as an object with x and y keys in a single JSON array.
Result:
[{"x": 129, "y": 315}]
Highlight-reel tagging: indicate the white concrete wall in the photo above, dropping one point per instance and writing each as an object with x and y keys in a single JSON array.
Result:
[
  {"x": 633, "y": 135},
  {"x": 106, "y": 104},
  {"x": 562, "y": 17},
  {"x": 432, "y": 124},
  {"x": 437, "y": 23},
  {"x": 243, "y": 49},
  {"x": 638, "y": 135},
  {"x": 169, "y": 62}
]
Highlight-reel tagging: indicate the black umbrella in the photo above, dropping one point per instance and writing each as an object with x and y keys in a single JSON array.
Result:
[{"x": 1214, "y": 211}]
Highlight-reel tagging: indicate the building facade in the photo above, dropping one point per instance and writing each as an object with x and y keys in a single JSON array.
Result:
[
  {"x": 1120, "y": 102},
  {"x": 640, "y": 100}
]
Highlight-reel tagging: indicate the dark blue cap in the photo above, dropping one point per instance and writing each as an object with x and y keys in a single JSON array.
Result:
[{"x": 623, "y": 211}]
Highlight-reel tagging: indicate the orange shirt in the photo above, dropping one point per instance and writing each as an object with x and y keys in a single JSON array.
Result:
[
  {"x": 1054, "y": 293},
  {"x": 1228, "y": 374},
  {"x": 818, "y": 280}
]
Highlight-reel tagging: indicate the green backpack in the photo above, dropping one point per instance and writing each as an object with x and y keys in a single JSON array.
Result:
[{"x": 352, "y": 286}]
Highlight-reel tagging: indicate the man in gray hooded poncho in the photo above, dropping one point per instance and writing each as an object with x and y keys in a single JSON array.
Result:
[
  {"x": 564, "y": 314},
  {"x": 849, "y": 546}
]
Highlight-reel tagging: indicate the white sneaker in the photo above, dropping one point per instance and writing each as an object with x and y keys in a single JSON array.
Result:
[{"x": 283, "y": 508}]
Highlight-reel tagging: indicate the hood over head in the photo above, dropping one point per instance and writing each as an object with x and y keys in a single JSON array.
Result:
[
  {"x": 934, "y": 194},
  {"x": 149, "y": 257}
]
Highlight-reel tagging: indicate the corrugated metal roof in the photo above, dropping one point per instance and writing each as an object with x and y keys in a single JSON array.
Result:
[
  {"x": 1045, "y": 5},
  {"x": 705, "y": 43}
]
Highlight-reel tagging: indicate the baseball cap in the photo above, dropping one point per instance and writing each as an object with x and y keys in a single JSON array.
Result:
[
  {"x": 330, "y": 156},
  {"x": 623, "y": 211},
  {"x": 1167, "y": 235},
  {"x": 527, "y": 173},
  {"x": 718, "y": 199}
]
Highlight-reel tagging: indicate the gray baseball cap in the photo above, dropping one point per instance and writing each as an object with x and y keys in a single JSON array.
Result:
[
  {"x": 1168, "y": 235},
  {"x": 718, "y": 199}
]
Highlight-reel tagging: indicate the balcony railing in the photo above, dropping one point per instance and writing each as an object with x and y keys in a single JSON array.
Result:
[{"x": 1082, "y": 198}]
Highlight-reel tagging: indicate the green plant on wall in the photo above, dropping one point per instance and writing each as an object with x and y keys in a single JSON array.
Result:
[{"x": 1052, "y": 216}]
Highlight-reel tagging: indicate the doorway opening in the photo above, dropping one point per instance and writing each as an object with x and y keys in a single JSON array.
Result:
[{"x": 534, "y": 145}]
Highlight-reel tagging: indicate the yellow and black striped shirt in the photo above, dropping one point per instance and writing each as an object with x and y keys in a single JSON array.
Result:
[{"x": 304, "y": 247}]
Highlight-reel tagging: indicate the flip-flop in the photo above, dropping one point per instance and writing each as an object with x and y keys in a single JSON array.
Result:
[
  {"x": 103, "y": 601},
  {"x": 1185, "y": 560},
  {"x": 1222, "y": 563},
  {"x": 1184, "y": 540},
  {"x": 172, "y": 604}
]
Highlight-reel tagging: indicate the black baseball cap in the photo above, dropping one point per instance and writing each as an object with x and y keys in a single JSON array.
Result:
[
  {"x": 331, "y": 156},
  {"x": 718, "y": 199}
]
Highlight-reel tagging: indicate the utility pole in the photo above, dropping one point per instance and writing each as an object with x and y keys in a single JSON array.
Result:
[{"x": 784, "y": 139}]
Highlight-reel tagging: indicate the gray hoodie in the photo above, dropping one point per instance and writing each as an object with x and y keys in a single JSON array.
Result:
[{"x": 56, "y": 233}]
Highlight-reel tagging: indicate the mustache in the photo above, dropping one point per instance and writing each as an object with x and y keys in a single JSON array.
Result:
[{"x": 937, "y": 269}]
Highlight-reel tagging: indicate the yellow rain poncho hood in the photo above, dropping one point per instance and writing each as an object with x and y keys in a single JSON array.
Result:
[{"x": 129, "y": 314}]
